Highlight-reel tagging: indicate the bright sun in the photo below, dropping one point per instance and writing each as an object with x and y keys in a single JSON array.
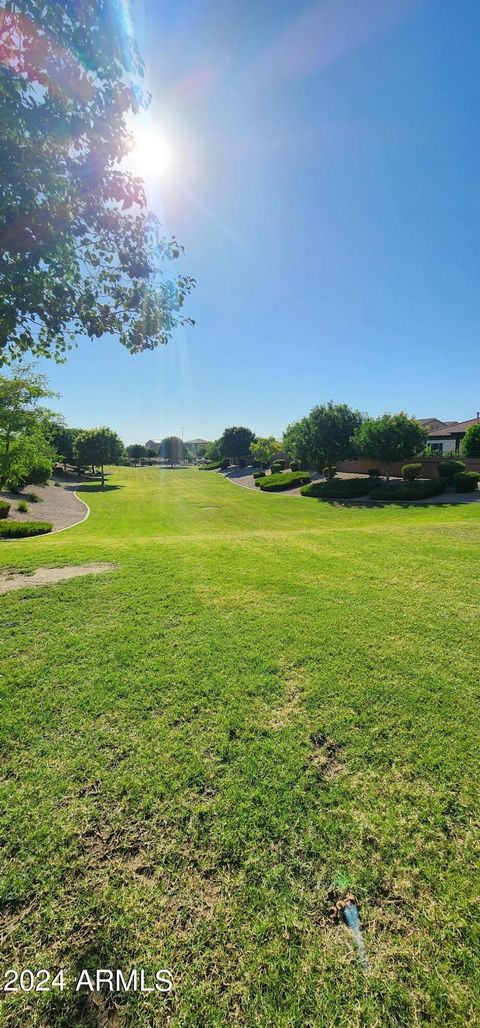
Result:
[{"x": 152, "y": 155}]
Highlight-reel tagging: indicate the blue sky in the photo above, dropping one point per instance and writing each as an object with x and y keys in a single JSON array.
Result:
[{"x": 324, "y": 183}]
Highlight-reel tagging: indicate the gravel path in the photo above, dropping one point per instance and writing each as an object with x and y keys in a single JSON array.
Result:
[{"x": 58, "y": 504}]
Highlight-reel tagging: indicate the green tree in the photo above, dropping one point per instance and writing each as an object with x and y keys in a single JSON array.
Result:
[
  {"x": 136, "y": 451},
  {"x": 213, "y": 451},
  {"x": 236, "y": 442},
  {"x": 471, "y": 442},
  {"x": 62, "y": 440},
  {"x": 331, "y": 430},
  {"x": 97, "y": 447},
  {"x": 391, "y": 437},
  {"x": 172, "y": 449},
  {"x": 81, "y": 254},
  {"x": 24, "y": 425},
  {"x": 264, "y": 449},
  {"x": 151, "y": 453},
  {"x": 297, "y": 441}
]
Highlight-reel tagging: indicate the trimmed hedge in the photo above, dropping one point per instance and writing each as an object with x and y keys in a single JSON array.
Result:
[
  {"x": 421, "y": 489},
  {"x": 285, "y": 480},
  {"x": 224, "y": 464},
  {"x": 329, "y": 473},
  {"x": 466, "y": 481},
  {"x": 374, "y": 473},
  {"x": 4, "y": 509},
  {"x": 214, "y": 466},
  {"x": 448, "y": 468},
  {"x": 22, "y": 529},
  {"x": 259, "y": 474},
  {"x": 410, "y": 472},
  {"x": 294, "y": 465},
  {"x": 339, "y": 489}
]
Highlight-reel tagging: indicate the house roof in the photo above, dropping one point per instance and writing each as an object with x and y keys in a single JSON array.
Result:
[{"x": 453, "y": 428}]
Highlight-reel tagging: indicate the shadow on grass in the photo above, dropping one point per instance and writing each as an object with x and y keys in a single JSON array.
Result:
[
  {"x": 384, "y": 504},
  {"x": 93, "y": 487}
]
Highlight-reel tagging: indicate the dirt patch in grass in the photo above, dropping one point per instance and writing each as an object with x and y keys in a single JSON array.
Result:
[
  {"x": 48, "y": 576},
  {"x": 325, "y": 756}
]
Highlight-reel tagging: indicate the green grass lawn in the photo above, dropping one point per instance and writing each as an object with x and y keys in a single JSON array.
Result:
[{"x": 268, "y": 696}]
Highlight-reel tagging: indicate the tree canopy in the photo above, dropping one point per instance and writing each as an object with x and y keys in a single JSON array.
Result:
[
  {"x": 80, "y": 252},
  {"x": 172, "y": 449},
  {"x": 138, "y": 450},
  {"x": 236, "y": 442},
  {"x": 25, "y": 447},
  {"x": 325, "y": 436},
  {"x": 265, "y": 448},
  {"x": 391, "y": 437},
  {"x": 97, "y": 447},
  {"x": 471, "y": 442}
]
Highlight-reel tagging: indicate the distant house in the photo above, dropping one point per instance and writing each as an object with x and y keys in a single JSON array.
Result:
[
  {"x": 446, "y": 436},
  {"x": 153, "y": 444}
]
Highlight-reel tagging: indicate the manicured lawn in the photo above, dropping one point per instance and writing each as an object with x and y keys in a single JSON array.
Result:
[{"x": 267, "y": 696}]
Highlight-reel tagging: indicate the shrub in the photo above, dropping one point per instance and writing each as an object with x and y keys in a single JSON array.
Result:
[
  {"x": 224, "y": 464},
  {"x": 339, "y": 489},
  {"x": 213, "y": 466},
  {"x": 21, "y": 529},
  {"x": 22, "y": 506},
  {"x": 420, "y": 489},
  {"x": 329, "y": 472},
  {"x": 57, "y": 484},
  {"x": 466, "y": 481},
  {"x": 4, "y": 509},
  {"x": 410, "y": 472},
  {"x": 278, "y": 465},
  {"x": 259, "y": 474},
  {"x": 294, "y": 465},
  {"x": 448, "y": 468},
  {"x": 286, "y": 480},
  {"x": 374, "y": 473},
  {"x": 241, "y": 462},
  {"x": 34, "y": 498}
]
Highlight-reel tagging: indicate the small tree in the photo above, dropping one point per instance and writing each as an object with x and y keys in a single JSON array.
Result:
[
  {"x": 98, "y": 446},
  {"x": 63, "y": 439},
  {"x": 136, "y": 451},
  {"x": 332, "y": 427},
  {"x": 391, "y": 437},
  {"x": 471, "y": 442},
  {"x": 172, "y": 449},
  {"x": 24, "y": 425},
  {"x": 236, "y": 441},
  {"x": 264, "y": 449}
]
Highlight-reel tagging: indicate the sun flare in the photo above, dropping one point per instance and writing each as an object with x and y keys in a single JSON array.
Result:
[{"x": 152, "y": 156}]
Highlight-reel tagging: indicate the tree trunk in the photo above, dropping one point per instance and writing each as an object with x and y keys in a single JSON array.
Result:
[
  {"x": 388, "y": 471},
  {"x": 103, "y": 475}
]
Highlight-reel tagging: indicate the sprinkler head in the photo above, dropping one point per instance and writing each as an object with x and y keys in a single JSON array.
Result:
[{"x": 336, "y": 911}]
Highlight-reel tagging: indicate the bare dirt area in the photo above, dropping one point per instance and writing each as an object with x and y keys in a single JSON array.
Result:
[
  {"x": 10, "y": 580},
  {"x": 58, "y": 504}
]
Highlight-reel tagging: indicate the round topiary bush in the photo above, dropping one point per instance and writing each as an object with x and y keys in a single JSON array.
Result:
[
  {"x": 410, "y": 472},
  {"x": 448, "y": 468},
  {"x": 259, "y": 474},
  {"x": 329, "y": 472},
  {"x": 466, "y": 481},
  {"x": 4, "y": 509},
  {"x": 224, "y": 464},
  {"x": 278, "y": 465},
  {"x": 294, "y": 465}
]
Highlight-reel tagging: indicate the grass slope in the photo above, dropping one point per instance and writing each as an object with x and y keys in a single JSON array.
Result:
[{"x": 265, "y": 696}]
